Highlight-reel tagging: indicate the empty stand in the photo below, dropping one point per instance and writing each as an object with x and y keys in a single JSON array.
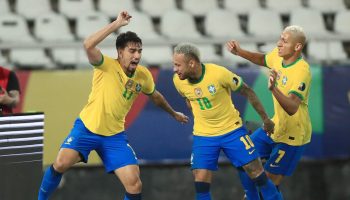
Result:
[
  {"x": 74, "y": 8},
  {"x": 223, "y": 24},
  {"x": 327, "y": 6},
  {"x": 177, "y": 24},
  {"x": 258, "y": 27},
  {"x": 156, "y": 8},
  {"x": 112, "y": 7},
  {"x": 14, "y": 29},
  {"x": 284, "y": 7},
  {"x": 89, "y": 23},
  {"x": 52, "y": 27},
  {"x": 33, "y": 8},
  {"x": 242, "y": 7},
  {"x": 199, "y": 7},
  {"x": 30, "y": 58}
]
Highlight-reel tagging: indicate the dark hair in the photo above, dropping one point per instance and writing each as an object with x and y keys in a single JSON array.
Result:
[{"x": 124, "y": 38}]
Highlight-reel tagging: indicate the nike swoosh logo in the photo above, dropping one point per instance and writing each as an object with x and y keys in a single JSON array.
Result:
[
  {"x": 272, "y": 165},
  {"x": 250, "y": 152}
]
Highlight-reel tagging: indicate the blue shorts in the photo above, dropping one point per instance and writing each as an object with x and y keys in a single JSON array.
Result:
[
  {"x": 114, "y": 150},
  {"x": 236, "y": 145},
  {"x": 282, "y": 159}
]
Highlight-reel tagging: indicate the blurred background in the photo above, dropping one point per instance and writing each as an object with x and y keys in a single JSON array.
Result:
[{"x": 41, "y": 40}]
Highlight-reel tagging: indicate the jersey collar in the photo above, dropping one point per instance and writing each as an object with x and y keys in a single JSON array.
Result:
[
  {"x": 200, "y": 78},
  {"x": 289, "y": 65}
]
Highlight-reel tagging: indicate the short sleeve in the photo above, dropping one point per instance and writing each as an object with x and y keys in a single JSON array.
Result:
[
  {"x": 177, "y": 85},
  {"x": 149, "y": 86},
  {"x": 270, "y": 57},
  {"x": 13, "y": 82},
  {"x": 301, "y": 84},
  {"x": 231, "y": 80}
]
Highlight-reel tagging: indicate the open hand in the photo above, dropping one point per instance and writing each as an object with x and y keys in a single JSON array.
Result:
[{"x": 181, "y": 117}]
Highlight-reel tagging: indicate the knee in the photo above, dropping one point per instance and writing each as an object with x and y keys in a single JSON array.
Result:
[
  {"x": 61, "y": 165},
  {"x": 134, "y": 185},
  {"x": 202, "y": 175}
]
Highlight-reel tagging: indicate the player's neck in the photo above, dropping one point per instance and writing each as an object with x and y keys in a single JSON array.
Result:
[
  {"x": 197, "y": 73},
  {"x": 290, "y": 59}
]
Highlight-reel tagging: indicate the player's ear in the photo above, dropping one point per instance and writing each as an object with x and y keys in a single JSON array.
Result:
[{"x": 298, "y": 47}]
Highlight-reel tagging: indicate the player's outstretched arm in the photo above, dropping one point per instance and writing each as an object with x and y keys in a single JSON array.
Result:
[
  {"x": 254, "y": 57},
  {"x": 90, "y": 43},
  {"x": 289, "y": 103},
  {"x": 255, "y": 102},
  {"x": 160, "y": 101}
]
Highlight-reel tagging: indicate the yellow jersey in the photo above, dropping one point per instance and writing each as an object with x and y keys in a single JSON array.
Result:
[
  {"x": 294, "y": 78},
  {"x": 210, "y": 99},
  {"x": 112, "y": 95}
]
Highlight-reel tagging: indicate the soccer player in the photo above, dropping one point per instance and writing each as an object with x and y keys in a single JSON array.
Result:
[
  {"x": 289, "y": 83},
  {"x": 217, "y": 124},
  {"x": 116, "y": 84}
]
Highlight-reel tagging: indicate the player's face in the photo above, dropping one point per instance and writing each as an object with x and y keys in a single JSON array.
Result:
[
  {"x": 130, "y": 56},
  {"x": 181, "y": 67},
  {"x": 286, "y": 45}
]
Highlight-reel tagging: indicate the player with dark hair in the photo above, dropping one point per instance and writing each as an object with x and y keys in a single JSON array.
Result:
[{"x": 116, "y": 84}]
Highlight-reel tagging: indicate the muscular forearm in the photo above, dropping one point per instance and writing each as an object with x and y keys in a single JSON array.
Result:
[
  {"x": 160, "y": 101},
  {"x": 286, "y": 103},
  {"x": 256, "y": 58},
  {"x": 255, "y": 102}
]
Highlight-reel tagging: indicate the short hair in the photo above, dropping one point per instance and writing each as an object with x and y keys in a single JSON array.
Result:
[
  {"x": 297, "y": 32},
  {"x": 124, "y": 38},
  {"x": 189, "y": 50}
]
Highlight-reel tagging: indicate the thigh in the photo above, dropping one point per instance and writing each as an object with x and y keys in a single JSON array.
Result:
[
  {"x": 81, "y": 140},
  {"x": 263, "y": 143},
  {"x": 205, "y": 153},
  {"x": 284, "y": 159},
  {"x": 116, "y": 152},
  {"x": 239, "y": 148}
]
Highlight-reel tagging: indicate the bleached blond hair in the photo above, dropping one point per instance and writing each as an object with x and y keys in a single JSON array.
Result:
[{"x": 297, "y": 32}]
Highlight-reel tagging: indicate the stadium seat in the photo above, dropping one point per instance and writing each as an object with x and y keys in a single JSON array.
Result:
[
  {"x": 33, "y": 8},
  {"x": 326, "y": 51},
  {"x": 4, "y": 7},
  {"x": 112, "y": 7},
  {"x": 234, "y": 60},
  {"x": 30, "y": 58},
  {"x": 174, "y": 21},
  {"x": 208, "y": 54},
  {"x": 109, "y": 51},
  {"x": 283, "y": 7},
  {"x": 257, "y": 24},
  {"x": 156, "y": 8},
  {"x": 242, "y": 7},
  {"x": 14, "y": 29},
  {"x": 4, "y": 62},
  {"x": 160, "y": 55},
  {"x": 199, "y": 7},
  {"x": 64, "y": 56},
  {"x": 311, "y": 21},
  {"x": 214, "y": 24},
  {"x": 142, "y": 25},
  {"x": 327, "y": 6},
  {"x": 52, "y": 27},
  {"x": 83, "y": 61},
  {"x": 89, "y": 23},
  {"x": 74, "y": 8},
  {"x": 341, "y": 23}
]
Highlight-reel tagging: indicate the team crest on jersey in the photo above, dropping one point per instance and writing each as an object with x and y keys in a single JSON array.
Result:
[
  {"x": 138, "y": 87},
  {"x": 302, "y": 86},
  {"x": 279, "y": 74},
  {"x": 198, "y": 92},
  {"x": 69, "y": 140},
  {"x": 284, "y": 80},
  {"x": 212, "y": 89},
  {"x": 129, "y": 84},
  {"x": 235, "y": 80}
]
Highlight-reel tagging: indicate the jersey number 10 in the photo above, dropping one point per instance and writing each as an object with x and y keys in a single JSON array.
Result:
[{"x": 204, "y": 103}]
